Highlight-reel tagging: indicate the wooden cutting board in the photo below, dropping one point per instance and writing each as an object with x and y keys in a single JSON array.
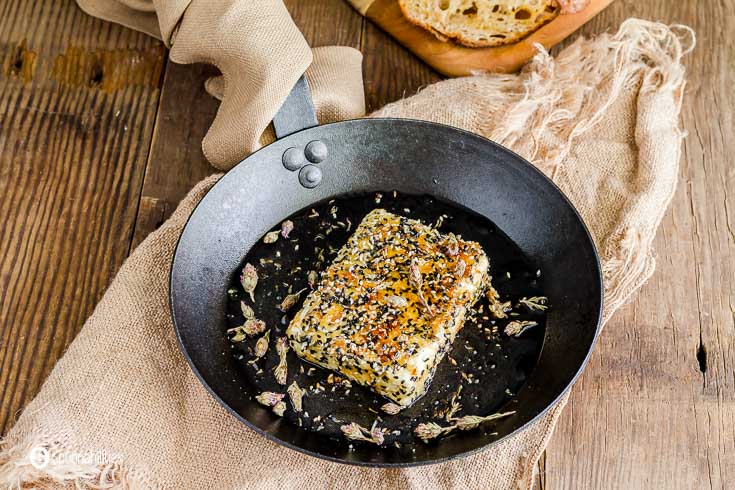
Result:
[{"x": 453, "y": 59}]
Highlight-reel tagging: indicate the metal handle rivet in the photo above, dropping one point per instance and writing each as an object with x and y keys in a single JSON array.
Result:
[
  {"x": 310, "y": 176},
  {"x": 293, "y": 159},
  {"x": 316, "y": 151}
]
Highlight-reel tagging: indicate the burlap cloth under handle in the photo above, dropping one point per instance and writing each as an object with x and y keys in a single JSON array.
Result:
[{"x": 601, "y": 119}]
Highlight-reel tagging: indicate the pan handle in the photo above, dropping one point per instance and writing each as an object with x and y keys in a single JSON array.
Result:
[{"x": 297, "y": 111}]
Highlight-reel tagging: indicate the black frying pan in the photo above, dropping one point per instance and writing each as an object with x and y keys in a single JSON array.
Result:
[{"x": 369, "y": 155}]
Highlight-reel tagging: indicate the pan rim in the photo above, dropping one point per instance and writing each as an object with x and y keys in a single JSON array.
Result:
[{"x": 518, "y": 160}]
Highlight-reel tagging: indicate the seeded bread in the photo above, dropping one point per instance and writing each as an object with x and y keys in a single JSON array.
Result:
[{"x": 480, "y": 23}]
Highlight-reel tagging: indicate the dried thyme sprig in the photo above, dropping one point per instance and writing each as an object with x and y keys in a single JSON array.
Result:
[
  {"x": 247, "y": 311},
  {"x": 286, "y": 228},
  {"x": 312, "y": 279},
  {"x": 356, "y": 432},
  {"x": 431, "y": 430},
  {"x": 281, "y": 371},
  {"x": 249, "y": 280},
  {"x": 261, "y": 346},
  {"x": 290, "y": 300},
  {"x": 271, "y": 237},
  {"x": 391, "y": 408},
  {"x": 296, "y": 395},
  {"x": 454, "y": 405},
  {"x": 535, "y": 303},
  {"x": 517, "y": 327},
  {"x": 279, "y": 408},
  {"x": 269, "y": 399},
  {"x": 251, "y": 327},
  {"x": 495, "y": 306}
]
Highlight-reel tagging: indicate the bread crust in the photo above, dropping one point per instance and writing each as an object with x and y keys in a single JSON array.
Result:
[{"x": 458, "y": 37}]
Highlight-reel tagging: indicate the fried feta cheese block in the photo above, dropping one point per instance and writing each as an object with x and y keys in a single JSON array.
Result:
[{"x": 390, "y": 305}]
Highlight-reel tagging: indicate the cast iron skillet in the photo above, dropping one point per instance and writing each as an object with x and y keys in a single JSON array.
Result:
[{"x": 368, "y": 155}]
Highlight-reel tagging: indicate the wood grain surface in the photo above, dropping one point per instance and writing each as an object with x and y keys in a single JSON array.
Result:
[{"x": 96, "y": 149}]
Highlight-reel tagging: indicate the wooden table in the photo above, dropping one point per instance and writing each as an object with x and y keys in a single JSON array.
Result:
[{"x": 100, "y": 138}]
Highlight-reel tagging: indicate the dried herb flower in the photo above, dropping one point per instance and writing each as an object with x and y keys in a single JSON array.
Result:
[
  {"x": 249, "y": 280},
  {"x": 312, "y": 278},
  {"x": 469, "y": 422},
  {"x": 391, "y": 408},
  {"x": 268, "y": 398},
  {"x": 247, "y": 311},
  {"x": 296, "y": 395},
  {"x": 251, "y": 327},
  {"x": 517, "y": 327},
  {"x": 430, "y": 430},
  {"x": 290, "y": 300},
  {"x": 282, "y": 346},
  {"x": 281, "y": 371},
  {"x": 356, "y": 432},
  {"x": 271, "y": 237},
  {"x": 261, "y": 346},
  {"x": 377, "y": 435},
  {"x": 535, "y": 303},
  {"x": 279, "y": 408},
  {"x": 286, "y": 228},
  {"x": 455, "y": 406},
  {"x": 495, "y": 306}
]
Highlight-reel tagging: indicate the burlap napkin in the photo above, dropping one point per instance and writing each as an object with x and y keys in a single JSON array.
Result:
[
  {"x": 260, "y": 53},
  {"x": 122, "y": 407}
]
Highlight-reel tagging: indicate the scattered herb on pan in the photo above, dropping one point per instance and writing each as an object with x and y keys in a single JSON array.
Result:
[
  {"x": 251, "y": 327},
  {"x": 432, "y": 430},
  {"x": 279, "y": 408},
  {"x": 261, "y": 346},
  {"x": 249, "y": 280},
  {"x": 296, "y": 395},
  {"x": 290, "y": 300},
  {"x": 517, "y": 327},
  {"x": 286, "y": 228},
  {"x": 271, "y": 237},
  {"x": 391, "y": 408},
  {"x": 247, "y": 311},
  {"x": 535, "y": 303},
  {"x": 269, "y": 398},
  {"x": 495, "y": 306},
  {"x": 281, "y": 371},
  {"x": 312, "y": 279},
  {"x": 356, "y": 432}
]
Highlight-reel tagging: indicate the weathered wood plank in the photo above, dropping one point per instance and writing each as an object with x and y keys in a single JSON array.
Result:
[
  {"x": 656, "y": 406},
  {"x": 390, "y": 71},
  {"x": 77, "y": 100}
]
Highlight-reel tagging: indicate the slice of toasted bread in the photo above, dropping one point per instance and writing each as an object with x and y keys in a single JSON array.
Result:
[{"x": 479, "y": 23}]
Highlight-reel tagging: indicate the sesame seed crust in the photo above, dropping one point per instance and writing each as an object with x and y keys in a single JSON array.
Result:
[{"x": 369, "y": 320}]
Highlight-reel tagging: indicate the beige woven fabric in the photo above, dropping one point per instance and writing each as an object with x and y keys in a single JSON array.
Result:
[
  {"x": 601, "y": 120},
  {"x": 259, "y": 52}
]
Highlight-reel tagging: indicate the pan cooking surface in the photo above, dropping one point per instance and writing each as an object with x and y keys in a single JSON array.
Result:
[{"x": 490, "y": 366}]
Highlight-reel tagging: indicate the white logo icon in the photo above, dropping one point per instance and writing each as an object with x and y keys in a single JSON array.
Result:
[{"x": 39, "y": 457}]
